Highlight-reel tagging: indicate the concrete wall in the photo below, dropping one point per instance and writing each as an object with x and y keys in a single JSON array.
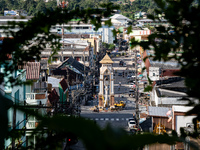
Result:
[{"x": 182, "y": 121}]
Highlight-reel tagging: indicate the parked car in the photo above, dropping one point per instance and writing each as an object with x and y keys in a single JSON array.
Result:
[
  {"x": 131, "y": 119},
  {"x": 131, "y": 85},
  {"x": 131, "y": 124},
  {"x": 128, "y": 76},
  {"x": 121, "y": 62},
  {"x": 131, "y": 93}
]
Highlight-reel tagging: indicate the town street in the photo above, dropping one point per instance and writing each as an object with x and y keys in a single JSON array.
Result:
[{"x": 115, "y": 118}]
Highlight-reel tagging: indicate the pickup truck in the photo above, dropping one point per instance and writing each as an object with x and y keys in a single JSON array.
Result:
[{"x": 121, "y": 104}]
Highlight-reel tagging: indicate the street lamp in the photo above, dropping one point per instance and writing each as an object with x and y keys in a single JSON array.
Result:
[{"x": 106, "y": 83}]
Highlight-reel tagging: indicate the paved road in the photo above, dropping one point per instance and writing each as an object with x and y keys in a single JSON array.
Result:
[{"x": 117, "y": 119}]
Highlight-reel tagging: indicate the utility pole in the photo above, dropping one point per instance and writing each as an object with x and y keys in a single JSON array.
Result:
[{"x": 136, "y": 92}]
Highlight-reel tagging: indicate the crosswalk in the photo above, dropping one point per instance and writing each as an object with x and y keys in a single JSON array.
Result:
[
  {"x": 108, "y": 119},
  {"x": 127, "y": 102}
]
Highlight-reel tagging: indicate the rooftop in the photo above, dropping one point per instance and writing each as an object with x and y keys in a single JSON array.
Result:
[
  {"x": 72, "y": 63},
  {"x": 106, "y": 60},
  {"x": 32, "y": 70},
  {"x": 119, "y": 16},
  {"x": 158, "y": 111},
  {"x": 181, "y": 108}
]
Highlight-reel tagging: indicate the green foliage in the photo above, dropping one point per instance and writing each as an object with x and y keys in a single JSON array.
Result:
[
  {"x": 182, "y": 44},
  {"x": 127, "y": 9},
  {"x": 92, "y": 135},
  {"x": 29, "y": 32},
  {"x": 129, "y": 29},
  {"x": 5, "y": 104},
  {"x": 111, "y": 46}
]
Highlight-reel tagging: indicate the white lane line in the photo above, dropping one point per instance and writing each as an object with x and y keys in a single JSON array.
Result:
[
  {"x": 96, "y": 118},
  {"x": 106, "y": 118},
  {"x": 117, "y": 119},
  {"x": 112, "y": 119},
  {"x": 127, "y": 119},
  {"x": 122, "y": 118},
  {"x": 102, "y": 119}
]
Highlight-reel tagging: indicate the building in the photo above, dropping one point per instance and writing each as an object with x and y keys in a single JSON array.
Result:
[
  {"x": 166, "y": 68},
  {"x": 36, "y": 95},
  {"x": 150, "y": 22},
  {"x": 17, "y": 94},
  {"x": 159, "y": 115},
  {"x": 180, "y": 120},
  {"x": 120, "y": 20}
]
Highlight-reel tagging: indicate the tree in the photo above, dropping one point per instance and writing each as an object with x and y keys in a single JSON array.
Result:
[
  {"x": 41, "y": 7},
  {"x": 111, "y": 46},
  {"x": 181, "y": 40},
  {"x": 51, "y": 4},
  {"x": 59, "y": 126}
]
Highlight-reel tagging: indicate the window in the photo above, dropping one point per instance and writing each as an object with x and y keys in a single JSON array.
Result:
[
  {"x": 24, "y": 86},
  {"x": 17, "y": 97},
  {"x": 15, "y": 73},
  {"x": 154, "y": 74},
  {"x": 85, "y": 27}
]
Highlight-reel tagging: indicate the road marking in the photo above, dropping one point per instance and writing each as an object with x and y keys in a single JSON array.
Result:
[
  {"x": 127, "y": 119},
  {"x": 122, "y": 118},
  {"x": 102, "y": 119},
  {"x": 112, "y": 119},
  {"x": 117, "y": 119},
  {"x": 106, "y": 118},
  {"x": 91, "y": 118},
  {"x": 96, "y": 118}
]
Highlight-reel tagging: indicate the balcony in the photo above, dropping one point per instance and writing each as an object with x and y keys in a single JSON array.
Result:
[
  {"x": 31, "y": 124},
  {"x": 36, "y": 98}
]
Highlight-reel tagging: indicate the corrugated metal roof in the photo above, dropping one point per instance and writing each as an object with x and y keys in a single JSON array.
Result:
[
  {"x": 119, "y": 16},
  {"x": 32, "y": 70},
  {"x": 75, "y": 64},
  {"x": 158, "y": 111}
]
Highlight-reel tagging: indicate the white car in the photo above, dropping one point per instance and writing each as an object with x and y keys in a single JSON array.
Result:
[
  {"x": 131, "y": 85},
  {"x": 131, "y": 119},
  {"x": 131, "y": 124}
]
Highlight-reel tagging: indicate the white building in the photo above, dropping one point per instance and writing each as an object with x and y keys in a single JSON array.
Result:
[
  {"x": 180, "y": 120},
  {"x": 154, "y": 73},
  {"x": 119, "y": 20},
  {"x": 107, "y": 34}
]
